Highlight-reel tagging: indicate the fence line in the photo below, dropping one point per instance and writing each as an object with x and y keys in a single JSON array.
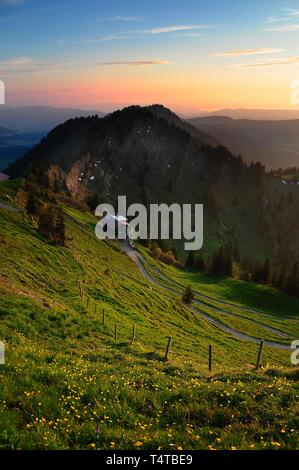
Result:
[{"x": 169, "y": 338}]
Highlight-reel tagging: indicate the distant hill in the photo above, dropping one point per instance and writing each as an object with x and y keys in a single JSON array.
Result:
[
  {"x": 273, "y": 143},
  {"x": 38, "y": 118},
  {"x": 152, "y": 156},
  {"x": 255, "y": 114},
  {"x": 14, "y": 144},
  {"x": 23, "y": 127}
]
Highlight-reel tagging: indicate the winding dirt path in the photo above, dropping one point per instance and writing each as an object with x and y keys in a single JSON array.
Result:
[
  {"x": 9, "y": 208},
  {"x": 202, "y": 300},
  {"x": 140, "y": 262}
]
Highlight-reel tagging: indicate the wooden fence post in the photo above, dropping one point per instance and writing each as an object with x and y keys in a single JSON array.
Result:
[
  {"x": 115, "y": 331},
  {"x": 167, "y": 348},
  {"x": 259, "y": 357},
  {"x": 210, "y": 358},
  {"x": 133, "y": 334},
  {"x": 103, "y": 320}
]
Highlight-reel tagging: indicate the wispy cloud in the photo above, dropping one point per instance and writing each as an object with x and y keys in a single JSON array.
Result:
[
  {"x": 151, "y": 31},
  {"x": 247, "y": 52},
  {"x": 136, "y": 63},
  {"x": 125, "y": 18},
  {"x": 108, "y": 37},
  {"x": 274, "y": 63},
  {"x": 188, "y": 35},
  {"x": 284, "y": 23},
  {"x": 172, "y": 29},
  {"x": 19, "y": 65},
  {"x": 284, "y": 28}
]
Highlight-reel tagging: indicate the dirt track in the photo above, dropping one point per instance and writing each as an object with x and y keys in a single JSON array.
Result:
[{"x": 141, "y": 263}]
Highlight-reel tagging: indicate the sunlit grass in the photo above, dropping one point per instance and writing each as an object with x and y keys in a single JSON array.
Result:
[{"x": 68, "y": 384}]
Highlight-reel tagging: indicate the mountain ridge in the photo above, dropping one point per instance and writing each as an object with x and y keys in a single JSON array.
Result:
[
  {"x": 135, "y": 152},
  {"x": 274, "y": 143}
]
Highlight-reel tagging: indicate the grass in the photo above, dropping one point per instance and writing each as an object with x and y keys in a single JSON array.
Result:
[
  {"x": 262, "y": 298},
  {"x": 67, "y": 383}
]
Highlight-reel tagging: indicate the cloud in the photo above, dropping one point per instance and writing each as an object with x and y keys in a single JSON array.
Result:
[
  {"x": 290, "y": 14},
  {"x": 247, "y": 52},
  {"x": 188, "y": 35},
  {"x": 284, "y": 28},
  {"x": 154, "y": 31},
  {"x": 274, "y": 63},
  {"x": 109, "y": 37},
  {"x": 125, "y": 18},
  {"x": 19, "y": 65},
  {"x": 173, "y": 29},
  {"x": 136, "y": 63}
]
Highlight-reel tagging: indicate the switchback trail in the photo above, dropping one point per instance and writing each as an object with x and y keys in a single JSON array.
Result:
[{"x": 140, "y": 262}]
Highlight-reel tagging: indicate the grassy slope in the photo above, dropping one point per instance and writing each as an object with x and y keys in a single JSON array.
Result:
[
  {"x": 67, "y": 383},
  {"x": 258, "y": 297}
]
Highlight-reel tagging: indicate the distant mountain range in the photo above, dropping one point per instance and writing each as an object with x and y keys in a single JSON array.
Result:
[
  {"x": 273, "y": 139},
  {"x": 273, "y": 143},
  {"x": 24, "y": 126},
  {"x": 254, "y": 114},
  {"x": 38, "y": 118}
]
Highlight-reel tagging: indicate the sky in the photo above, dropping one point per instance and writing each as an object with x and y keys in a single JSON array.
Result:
[{"x": 190, "y": 55}]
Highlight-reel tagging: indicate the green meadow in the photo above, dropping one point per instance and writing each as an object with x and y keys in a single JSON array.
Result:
[{"x": 68, "y": 383}]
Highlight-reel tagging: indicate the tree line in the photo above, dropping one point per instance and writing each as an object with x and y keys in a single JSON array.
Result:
[{"x": 225, "y": 262}]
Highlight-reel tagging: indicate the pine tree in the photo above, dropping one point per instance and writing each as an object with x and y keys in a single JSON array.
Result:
[
  {"x": 60, "y": 228},
  {"x": 32, "y": 206},
  {"x": 292, "y": 284},
  {"x": 200, "y": 264},
  {"x": 46, "y": 222},
  {"x": 190, "y": 261},
  {"x": 222, "y": 262},
  {"x": 188, "y": 295},
  {"x": 262, "y": 274}
]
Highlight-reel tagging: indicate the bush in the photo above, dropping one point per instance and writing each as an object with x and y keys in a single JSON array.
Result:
[
  {"x": 51, "y": 224},
  {"x": 167, "y": 258}
]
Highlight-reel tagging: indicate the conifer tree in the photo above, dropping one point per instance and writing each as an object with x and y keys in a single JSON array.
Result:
[{"x": 188, "y": 295}]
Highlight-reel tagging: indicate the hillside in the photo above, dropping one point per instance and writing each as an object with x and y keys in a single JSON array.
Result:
[
  {"x": 273, "y": 143},
  {"x": 68, "y": 384},
  {"x": 150, "y": 155}
]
